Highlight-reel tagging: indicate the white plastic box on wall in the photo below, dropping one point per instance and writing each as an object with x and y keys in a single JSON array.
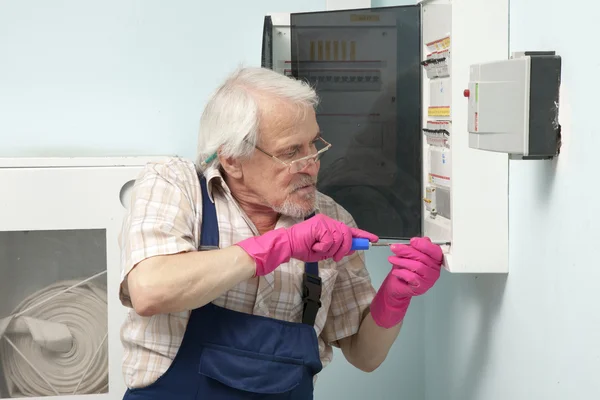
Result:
[
  {"x": 60, "y": 313},
  {"x": 465, "y": 190}
]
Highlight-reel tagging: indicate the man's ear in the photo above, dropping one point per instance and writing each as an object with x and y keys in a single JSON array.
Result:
[{"x": 232, "y": 166}]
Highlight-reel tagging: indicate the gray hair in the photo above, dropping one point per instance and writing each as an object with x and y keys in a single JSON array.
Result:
[{"x": 231, "y": 118}]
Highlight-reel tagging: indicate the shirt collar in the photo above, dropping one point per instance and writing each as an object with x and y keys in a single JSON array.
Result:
[{"x": 213, "y": 177}]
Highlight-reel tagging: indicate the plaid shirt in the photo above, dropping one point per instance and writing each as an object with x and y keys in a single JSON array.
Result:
[{"x": 164, "y": 218}]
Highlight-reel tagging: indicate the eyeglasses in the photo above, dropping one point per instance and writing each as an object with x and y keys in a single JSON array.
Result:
[{"x": 300, "y": 164}]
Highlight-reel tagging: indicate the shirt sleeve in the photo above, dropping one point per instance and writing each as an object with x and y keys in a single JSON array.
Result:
[
  {"x": 160, "y": 219},
  {"x": 352, "y": 293}
]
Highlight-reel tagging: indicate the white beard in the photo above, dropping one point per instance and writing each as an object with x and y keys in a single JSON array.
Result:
[{"x": 297, "y": 209}]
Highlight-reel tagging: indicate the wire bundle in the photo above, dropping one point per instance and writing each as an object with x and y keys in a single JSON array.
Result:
[{"x": 55, "y": 342}]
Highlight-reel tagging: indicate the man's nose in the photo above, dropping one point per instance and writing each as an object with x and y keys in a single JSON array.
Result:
[{"x": 312, "y": 168}]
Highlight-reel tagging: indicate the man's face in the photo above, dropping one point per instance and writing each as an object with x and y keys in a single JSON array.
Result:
[{"x": 287, "y": 133}]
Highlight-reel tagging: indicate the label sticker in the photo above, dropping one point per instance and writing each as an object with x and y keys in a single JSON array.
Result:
[
  {"x": 438, "y": 111},
  {"x": 364, "y": 17}
]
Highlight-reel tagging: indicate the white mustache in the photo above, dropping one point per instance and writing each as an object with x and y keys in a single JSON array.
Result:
[{"x": 303, "y": 183}]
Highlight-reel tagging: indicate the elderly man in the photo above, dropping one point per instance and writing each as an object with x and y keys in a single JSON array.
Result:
[{"x": 239, "y": 273}]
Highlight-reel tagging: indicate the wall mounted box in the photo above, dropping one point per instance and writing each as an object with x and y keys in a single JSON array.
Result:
[
  {"x": 513, "y": 105},
  {"x": 59, "y": 223}
]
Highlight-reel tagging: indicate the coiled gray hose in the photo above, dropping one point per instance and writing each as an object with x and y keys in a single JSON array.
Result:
[{"x": 55, "y": 341}]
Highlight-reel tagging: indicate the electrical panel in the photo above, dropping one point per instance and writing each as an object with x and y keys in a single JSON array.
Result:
[{"x": 391, "y": 83}]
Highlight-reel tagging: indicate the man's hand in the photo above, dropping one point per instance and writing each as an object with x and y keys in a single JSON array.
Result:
[
  {"x": 318, "y": 238},
  {"x": 415, "y": 269}
]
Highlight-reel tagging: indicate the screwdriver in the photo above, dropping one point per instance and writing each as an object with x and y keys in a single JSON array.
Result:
[{"x": 364, "y": 244}]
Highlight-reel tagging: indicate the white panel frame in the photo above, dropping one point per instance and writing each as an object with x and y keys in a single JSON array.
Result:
[
  {"x": 282, "y": 42},
  {"x": 56, "y": 162}
]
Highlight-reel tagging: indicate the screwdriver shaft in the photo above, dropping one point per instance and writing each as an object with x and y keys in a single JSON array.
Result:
[
  {"x": 364, "y": 244},
  {"x": 439, "y": 243}
]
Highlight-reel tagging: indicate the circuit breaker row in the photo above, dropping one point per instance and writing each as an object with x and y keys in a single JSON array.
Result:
[
  {"x": 438, "y": 128},
  {"x": 343, "y": 80}
]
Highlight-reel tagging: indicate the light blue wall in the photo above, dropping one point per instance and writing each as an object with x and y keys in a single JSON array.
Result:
[
  {"x": 114, "y": 77},
  {"x": 534, "y": 334},
  {"x": 119, "y": 77}
]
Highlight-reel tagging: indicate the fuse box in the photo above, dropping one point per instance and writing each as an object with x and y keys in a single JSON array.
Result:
[
  {"x": 513, "y": 105},
  {"x": 391, "y": 82}
]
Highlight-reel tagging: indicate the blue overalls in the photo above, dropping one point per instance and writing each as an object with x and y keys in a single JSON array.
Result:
[{"x": 229, "y": 355}]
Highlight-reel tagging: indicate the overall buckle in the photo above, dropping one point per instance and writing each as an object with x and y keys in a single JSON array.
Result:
[{"x": 311, "y": 298}]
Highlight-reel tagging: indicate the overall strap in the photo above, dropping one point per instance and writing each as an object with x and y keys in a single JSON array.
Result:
[
  {"x": 311, "y": 286},
  {"x": 209, "y": 231},
  {"x": 311, "y": 291}
]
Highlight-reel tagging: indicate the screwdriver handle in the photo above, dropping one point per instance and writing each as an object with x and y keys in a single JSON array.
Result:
[{"x": 360, "y": 244}]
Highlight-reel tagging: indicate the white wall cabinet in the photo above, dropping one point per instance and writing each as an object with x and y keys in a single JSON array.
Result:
[{"x": 59, "y": 225}]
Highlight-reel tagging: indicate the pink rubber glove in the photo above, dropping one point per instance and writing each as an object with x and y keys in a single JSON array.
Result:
[
  {"x": 415, "y": 268},
  {"x": 315, "y": 239}
]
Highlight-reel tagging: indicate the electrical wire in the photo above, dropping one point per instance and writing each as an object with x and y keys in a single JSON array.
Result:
[{"x": 54, "y": 343}]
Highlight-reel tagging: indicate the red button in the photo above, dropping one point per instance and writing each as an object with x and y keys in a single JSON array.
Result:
[{"x": 467, "y": 93}]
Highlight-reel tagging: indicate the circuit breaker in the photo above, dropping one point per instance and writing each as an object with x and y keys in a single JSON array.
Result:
[{"x": 437, "y": 125}]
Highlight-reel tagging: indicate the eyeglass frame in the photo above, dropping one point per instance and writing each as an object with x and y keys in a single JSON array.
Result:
[{"x": 315, "y": 156}]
